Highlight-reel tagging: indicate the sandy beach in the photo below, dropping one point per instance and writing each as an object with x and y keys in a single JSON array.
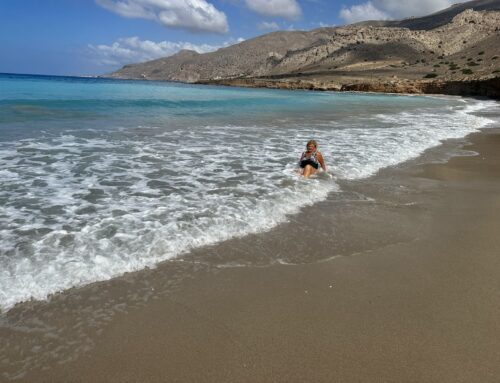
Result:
[{"x": 396, "y": 279}]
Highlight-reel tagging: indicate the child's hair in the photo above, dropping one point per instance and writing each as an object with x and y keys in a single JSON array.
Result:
[{"x": 312, "y": 142}]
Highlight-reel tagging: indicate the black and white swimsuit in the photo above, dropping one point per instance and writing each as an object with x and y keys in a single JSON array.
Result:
[{"x": 312, "y": 160}]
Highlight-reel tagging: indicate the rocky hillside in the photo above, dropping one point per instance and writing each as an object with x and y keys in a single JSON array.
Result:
[
  {"x": 439, "y": 18},
  {"x": 248, "y": 58},
  {"x": 464, "y": 49},
  {"x": 470, "y": 33}
]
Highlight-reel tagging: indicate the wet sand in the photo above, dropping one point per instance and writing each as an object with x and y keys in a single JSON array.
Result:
[{"x": 396, "y": 279}]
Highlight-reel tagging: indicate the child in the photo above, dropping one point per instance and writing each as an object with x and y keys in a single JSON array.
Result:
[{"x": 311, "y": 159}]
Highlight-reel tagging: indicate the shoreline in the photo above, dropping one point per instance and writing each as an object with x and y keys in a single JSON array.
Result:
[
  {"x": 352, "y": 301},
  {"x": 482, "y": 87},
  {"x": 488, "y": 87}
]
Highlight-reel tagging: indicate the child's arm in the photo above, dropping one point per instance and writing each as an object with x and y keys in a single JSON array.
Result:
[{"x": 321, "y": 161}]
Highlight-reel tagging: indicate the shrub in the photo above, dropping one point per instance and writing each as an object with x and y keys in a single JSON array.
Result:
[
  {"x": 467, "y": 71},
  {"x": 496, "y": 71},
  {"x": 430, "y": 75},
  {"x": 469, "y": 59},
  {"x": 481, "y": 53},
  {"x": 436, "y": 65},
  {"x": 472, "y": 63},
  {"x": 494, "y": 57}
]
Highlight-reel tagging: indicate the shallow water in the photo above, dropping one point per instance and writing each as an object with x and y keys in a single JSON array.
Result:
[{"x": 101, "y": 177}]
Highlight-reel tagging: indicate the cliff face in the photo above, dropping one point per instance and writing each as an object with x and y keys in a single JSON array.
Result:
[
  {"x": 485, "y": 87},
  {"x": 465, "y": 49}
]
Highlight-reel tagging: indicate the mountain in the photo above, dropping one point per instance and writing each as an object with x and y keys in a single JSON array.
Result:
[
  {"x": 248, "y": 58},
  {"x": 439, "y": 18},
  {"x": 459, "y": 45}
]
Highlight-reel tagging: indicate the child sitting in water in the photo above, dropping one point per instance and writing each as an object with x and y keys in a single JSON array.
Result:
[{"x": 311, "y": 159}]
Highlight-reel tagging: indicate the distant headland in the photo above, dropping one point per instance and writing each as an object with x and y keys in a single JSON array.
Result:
[{"x": 454, "y": 51}]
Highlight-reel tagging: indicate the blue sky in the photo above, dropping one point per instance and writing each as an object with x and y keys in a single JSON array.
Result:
[{"x": 87, "y": 37}]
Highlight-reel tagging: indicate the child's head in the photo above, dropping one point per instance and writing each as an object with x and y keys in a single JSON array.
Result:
[{"x": 311, "y": 145}]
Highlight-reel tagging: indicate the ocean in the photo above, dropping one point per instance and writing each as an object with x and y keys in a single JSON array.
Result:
[{"x": 101, "y": 177}]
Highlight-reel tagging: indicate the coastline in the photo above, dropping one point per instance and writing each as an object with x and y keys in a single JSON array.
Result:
[
  {"x": 396, "y": 280},
  {"x": 487, "y": 87}
]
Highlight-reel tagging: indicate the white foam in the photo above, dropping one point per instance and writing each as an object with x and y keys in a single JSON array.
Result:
[
  {"x": 102, "y": 206},
  {"x": 361, "y": 152}
]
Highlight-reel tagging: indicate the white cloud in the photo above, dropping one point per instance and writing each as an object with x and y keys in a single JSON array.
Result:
[
  {"x": 407, "y": 8},
  {"x": 288, "y": 9},
  {"x": 268, "y": 26},
  {"x": 393, "y": 9},
  {"x": 324, "y": 25},
  {"x": 362, "y": 12},
  {"x": 133, "y": 50},
  {"x": 193, "y": 15}
]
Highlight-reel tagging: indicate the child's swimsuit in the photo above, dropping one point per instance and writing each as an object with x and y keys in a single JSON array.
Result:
[{"x": 311, "y": 160}]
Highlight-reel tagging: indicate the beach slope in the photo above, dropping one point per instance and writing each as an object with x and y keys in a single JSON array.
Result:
[{"x": 410, "y": 295}]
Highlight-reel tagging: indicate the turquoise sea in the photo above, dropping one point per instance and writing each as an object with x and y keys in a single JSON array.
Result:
[{"x": 100, "y": 177}]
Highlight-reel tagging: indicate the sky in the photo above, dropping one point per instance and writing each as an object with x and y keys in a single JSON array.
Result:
[{"x": 93, "y": 37}]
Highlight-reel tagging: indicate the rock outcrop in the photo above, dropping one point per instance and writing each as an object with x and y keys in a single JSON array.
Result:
[{"x": 487, "y": 87}]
